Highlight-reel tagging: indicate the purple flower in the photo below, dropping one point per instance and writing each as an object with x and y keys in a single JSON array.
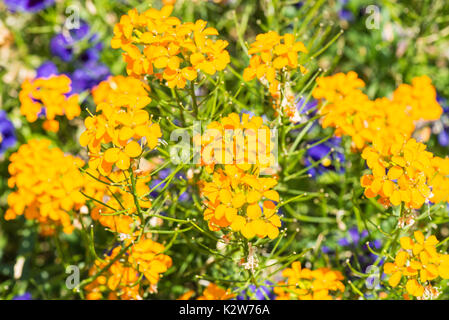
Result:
[
  {"x": 88, "y": 76},
  {"x": 25, "y": 296},
  {"x": 304, "y": 107},
  {"x": 327, "y": 151},
  {"x": 7, "y": 133},
  {"x": 355, "y": 242},
  {"x": 346, "y": 15},
  {"x": 28, "y": 5},
  {"x": 47, "y": 69},
  {"x": 263, "y": 292},
  {"x": 63, "y": 46},
  {"x": 442, "y": 125}
]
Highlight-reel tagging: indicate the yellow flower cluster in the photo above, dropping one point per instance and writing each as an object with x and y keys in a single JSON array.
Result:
[
  {"x": 352, "y": 113},
  {"x": 242, "y": 201},
  {"x": 403, "y": 171},
  {"x": 244, "y": 143},
  {"x": 123, "y": 278},
  {"x": 47, "y": 96},
  {"x": 272, "y": 54},
  {"x": 419, "y": 262},
  {"x": 47, "y": 183},
  {"x": 123, "y": 129},
  {"x": 306, "y": 284},
  {"x": 419, "y": 99},
  {"x": 237, "y": 197},
  {"x": 156, "y": 43},
  {"x": 214, "y": 292}
]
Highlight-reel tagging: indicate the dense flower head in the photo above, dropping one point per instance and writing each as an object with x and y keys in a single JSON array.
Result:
[
  {"x": 157, "y": 44},
  {"x": 352, "y": 113},
  {"x": 48, "y": 97},
  {"x": 419, "y": 263},
  {"x": 419, "y": 99},
  {"x": 214, "y": 292},
  {"x": 47, "y": 184},
  {"x": 121, "y": 129},
  {"x": 144, "y": 259},
  {"x": 7, "y": 133},
  {"x": 306, "y": 284},
  {"x": 404, "y": 172},
  {"x": 244, "y": 142},
  {"x": 243, "y": 201},
  {"x": 271, "y": 54}
]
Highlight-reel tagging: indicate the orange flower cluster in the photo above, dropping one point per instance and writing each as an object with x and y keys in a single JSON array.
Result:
[
  {"x": 242, "y": 201},
  {"x": 237, "y": 197},
  {"x": 48, "y": 94},
  {"x": 123, "y": 278},
  {"x": 244, "y": 143},
  {"x": 234, "y": 196},
  {"x": 404, "y": 172},
  {"x": 157, "y": 44},
  {"x": 122, "y": 130},
  {"x": 214, "y": 292},
  {"x": 306, "y": 284},
  {"x": 272, "y": 54},
  {"x": 352, "y": 113},
  {"x": 47, "y": 183},
  {"x": 420, "y": 263}
]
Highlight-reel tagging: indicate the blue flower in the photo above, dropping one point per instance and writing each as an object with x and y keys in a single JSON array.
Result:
[
  {"x": 88, "y": 76},
  {"x": 63, "y": 46},
  {"x": 263, "y": 292},
  {"x": 355, "y": 242},
  {"x": 28, "y": 5},
  {"x": 326, "y": 151},
  {"x": 46, "y": 70},
  {"x": 346, "y": 15},
  {"x": 7, "y": 133},
  {"x": 89, "y": 71},
  {"x": 442, "y": 125},
  {"x": 304, "y": 107},
  {"x": 25, "y": 296}
]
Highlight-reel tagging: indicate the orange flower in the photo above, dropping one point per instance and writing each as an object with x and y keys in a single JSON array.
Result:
[
  {"x": 177, "y": 50},
  {"x": 122, "y": 122},
  {"x": 48, "y": 94},
  {"x": 402, "y": 171},
  {"x": 47, "y": 185},
  {"x": 419, "y": 262},
  {"x": 271, "y": 55},
  {"x": 214, "y": 292},
  {"x": 306, "y": 284},
  {"x": 123, "y": 279}
]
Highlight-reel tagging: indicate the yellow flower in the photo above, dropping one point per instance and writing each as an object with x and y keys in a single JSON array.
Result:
[
  {"x": 272, "y": 54},
  {"x": 50, "y": 95},
  {"x": 47, "y": 185},
  {"x": 123, "y": 280},
  {"x": 403, "y": 171},
  {"x": 352, "y": 113},
  {"x": 122, "y": 122},
  {"x": 306, "y": 284},
  {"x": 157, "y": 44},
  {"x": 214, "y": 292},
  {"x": 419, "y": 262}
]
